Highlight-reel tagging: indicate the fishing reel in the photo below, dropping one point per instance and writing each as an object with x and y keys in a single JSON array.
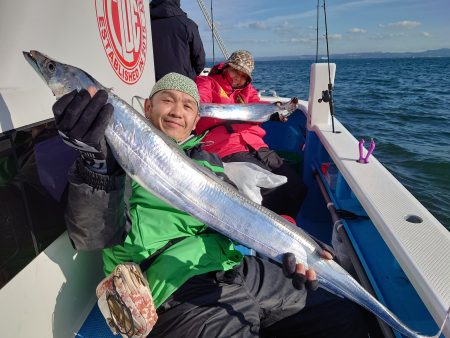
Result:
[{"x": 326, "y": 96}]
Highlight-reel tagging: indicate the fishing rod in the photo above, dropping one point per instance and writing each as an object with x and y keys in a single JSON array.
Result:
[
  {"x": 327, "y": 95},
  {"x": 212, "y": 32},
  {"x": 317, "y": 32}
]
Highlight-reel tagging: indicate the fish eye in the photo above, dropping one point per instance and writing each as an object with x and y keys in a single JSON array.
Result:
[{"x": 51, "y": 67}]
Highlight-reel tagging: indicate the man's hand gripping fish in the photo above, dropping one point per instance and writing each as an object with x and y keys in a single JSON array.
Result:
[{"x": 156, "y": 162}]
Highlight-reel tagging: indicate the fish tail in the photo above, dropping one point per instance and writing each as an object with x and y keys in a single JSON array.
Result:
[
  {"x": 442, "y": 326},
  {"x": 404, "y": 330},
  {"x": 365, "y": 299}
]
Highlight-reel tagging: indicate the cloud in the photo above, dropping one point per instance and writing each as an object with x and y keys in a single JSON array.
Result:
[
  {"x": 258, "y": 25},
  {"x": 335, "y": 37},
  {"x": 219, "y": 26},
  {"x": 403, "y": 24},
  {"x": 297, "y": 40},
  {"x": 357, "y": 31},
  {"x": 284, "y": 27},
  {"x": 428, "y": 35},
  {"x": 396, "y": 35},
  {"x": 359, "y": 4},
  {"x": 249, "y": 41},
  {"x": 388, "y": 36},
  {"x": 349, "y": 6}
]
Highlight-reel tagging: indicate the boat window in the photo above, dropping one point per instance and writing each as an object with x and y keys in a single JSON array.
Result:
[{"x": 33, "y": 181}]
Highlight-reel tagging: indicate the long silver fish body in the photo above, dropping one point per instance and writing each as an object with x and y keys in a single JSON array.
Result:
[
  {"x": 157, "y": 163},
  {"x": 257, "y": 112}
]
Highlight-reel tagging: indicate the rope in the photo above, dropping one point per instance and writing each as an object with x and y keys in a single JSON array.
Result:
[{"x": 219, "y": 40}]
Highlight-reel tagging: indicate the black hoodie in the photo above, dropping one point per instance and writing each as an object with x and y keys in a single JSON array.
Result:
[{"x": 177, "y": 46}]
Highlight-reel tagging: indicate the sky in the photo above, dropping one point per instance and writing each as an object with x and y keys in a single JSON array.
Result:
[{"x": 288, "y": 27}]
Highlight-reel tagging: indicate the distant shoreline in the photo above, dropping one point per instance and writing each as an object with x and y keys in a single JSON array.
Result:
[{"x": 436, "y": 53}]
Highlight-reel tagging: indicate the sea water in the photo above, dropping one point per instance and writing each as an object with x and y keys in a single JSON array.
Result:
[{"x": 404, "y": 104}]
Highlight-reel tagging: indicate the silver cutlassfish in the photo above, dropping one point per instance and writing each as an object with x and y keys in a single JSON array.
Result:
[
  {"x": 157, "y": 163},
  {"x": 257, "y": 112}
]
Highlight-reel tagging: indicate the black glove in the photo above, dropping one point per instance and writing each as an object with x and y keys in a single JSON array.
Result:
[
  {"x": 288, "y": 109},
  {"x": 81, "y": 122},
  {"x": 299, "y": 281},
  {"x": 324, "y": 246},
  {"x": 275, "y": 117}
]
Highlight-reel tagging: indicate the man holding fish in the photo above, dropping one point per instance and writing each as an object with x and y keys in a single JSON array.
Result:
[{"x": 202, "y": 286}]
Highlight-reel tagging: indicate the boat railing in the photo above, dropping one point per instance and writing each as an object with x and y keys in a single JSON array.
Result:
[{"x": 418, "y": 241}]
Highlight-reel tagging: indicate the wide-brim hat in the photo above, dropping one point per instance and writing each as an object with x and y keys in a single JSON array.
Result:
[{"x": 242, "y": 60}]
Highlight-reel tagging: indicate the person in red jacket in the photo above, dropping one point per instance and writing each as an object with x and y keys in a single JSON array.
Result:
[{"x": 238, "y": 141}]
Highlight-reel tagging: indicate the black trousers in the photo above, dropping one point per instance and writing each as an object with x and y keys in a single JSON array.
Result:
[
  {"x": 286, "y": 199},
  {"x": 255, "y": 299}
]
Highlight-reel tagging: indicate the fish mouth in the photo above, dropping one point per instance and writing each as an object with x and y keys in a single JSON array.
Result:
[
  {"x": 29, "y": 56},
  {"x": 32, "y": 58}
]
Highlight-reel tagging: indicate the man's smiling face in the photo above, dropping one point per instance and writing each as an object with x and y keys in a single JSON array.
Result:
[{"x": 173, "y": 112}]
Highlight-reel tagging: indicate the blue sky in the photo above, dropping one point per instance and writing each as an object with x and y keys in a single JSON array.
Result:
[{"x": 288, "y": 27}]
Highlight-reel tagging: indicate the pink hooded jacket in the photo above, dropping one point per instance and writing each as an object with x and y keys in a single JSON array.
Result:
[{"x": 226, "y": 138}]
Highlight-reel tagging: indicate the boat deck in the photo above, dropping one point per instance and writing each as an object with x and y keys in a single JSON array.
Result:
[{"x": 95, "y": 326}]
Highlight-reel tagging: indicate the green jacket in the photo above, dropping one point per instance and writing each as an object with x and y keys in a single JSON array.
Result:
[{"x": 154, "y": 223}]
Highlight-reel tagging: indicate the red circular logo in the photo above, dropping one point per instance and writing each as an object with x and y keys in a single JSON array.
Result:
[{"x": 123, "y": 32}]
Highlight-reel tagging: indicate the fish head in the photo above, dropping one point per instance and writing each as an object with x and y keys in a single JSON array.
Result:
[{"x": 61, "y": 78}]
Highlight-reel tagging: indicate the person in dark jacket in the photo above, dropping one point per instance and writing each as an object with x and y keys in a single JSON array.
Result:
[
  {"x": 201, "y": 285},
  {"x": 177, "y": 46}
]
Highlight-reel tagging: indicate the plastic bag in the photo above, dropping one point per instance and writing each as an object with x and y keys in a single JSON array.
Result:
[{"x": 250, "y": 178}]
